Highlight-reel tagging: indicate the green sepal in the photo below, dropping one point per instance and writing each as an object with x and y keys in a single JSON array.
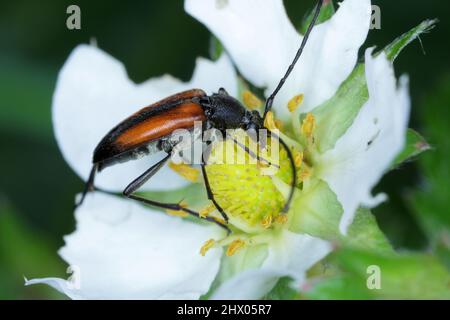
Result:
[
  {"x": 415, "y": 145},
  {"x": 249, "y": 257},
  {"x": 336, "y": 115},
  {"x": 317, "y": 212},
  {"x": 396, "y": 47}
]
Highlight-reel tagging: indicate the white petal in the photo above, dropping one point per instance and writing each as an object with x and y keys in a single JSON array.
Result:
[
  {"x": 257, "y": 34},
  {"x": 122, "y": 250},
  {"x": 289, "y": 255},
  {"x": 262, "y": 42},
  {"x": 249, "y": 285},
  {"x": 366, "y": 151},
  {"x": 94, "y": 93},
  {"x": 64, "y": 286}
]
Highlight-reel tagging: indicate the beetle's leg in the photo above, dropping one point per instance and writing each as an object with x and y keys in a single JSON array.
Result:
[
  {"x": 211, "y": 195},
  {"x": 138, "y": 182},
  {"x": 207, "y": 185},
  {"x": 251, "y": 153},
  {"x": 89, "y": 186},
  {"x": 177, "y": 207},
  {"x": 143, "y": 178}
]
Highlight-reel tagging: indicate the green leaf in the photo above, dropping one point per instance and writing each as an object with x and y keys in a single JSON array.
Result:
[
  {"x": 342, "y": 287},
  {"x": 336, "y": 115},
  {"x": 403, "y": 276},
  {"x": 394, "y": 49},
  {"x": 326, "y": 12},
  {"x": 27, "y": 91},
  {"x": 415, "y": 145},
  {"x": 25, "y": 253},
  {"x": 431, "y": 203},
  {"x": 318, "y": 212}
]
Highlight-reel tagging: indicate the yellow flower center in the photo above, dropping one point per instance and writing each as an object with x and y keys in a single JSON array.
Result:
[{"x": 245, "y": 192}]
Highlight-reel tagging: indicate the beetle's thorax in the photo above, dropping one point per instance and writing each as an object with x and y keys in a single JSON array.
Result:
[{"x": 225, "y": 112}]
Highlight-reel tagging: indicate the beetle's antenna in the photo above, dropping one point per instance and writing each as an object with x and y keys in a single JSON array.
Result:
[
  {"x": 271, "y": 98},
  {"x": 293, "y": 170}
]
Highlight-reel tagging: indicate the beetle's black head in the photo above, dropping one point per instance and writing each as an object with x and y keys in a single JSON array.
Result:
[{"x": 226, "y": 112}]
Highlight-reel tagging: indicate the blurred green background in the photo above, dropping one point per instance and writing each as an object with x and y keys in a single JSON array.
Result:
[{"x": 151, "y": 38}]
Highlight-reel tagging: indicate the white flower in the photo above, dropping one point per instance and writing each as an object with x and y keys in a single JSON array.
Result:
[{"x": 122, "y": 249}]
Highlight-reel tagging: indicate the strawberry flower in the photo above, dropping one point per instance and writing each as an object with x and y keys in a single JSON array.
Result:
[{"x": 344, "y": 122}]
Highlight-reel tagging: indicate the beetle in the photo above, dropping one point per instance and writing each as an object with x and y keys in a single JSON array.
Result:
[{"x": 149, "y": 130}]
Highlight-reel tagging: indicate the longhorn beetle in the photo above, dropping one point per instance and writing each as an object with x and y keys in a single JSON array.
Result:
[{"x": 149, "y": 130}]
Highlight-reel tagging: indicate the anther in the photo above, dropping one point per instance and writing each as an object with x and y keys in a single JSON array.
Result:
[
  {"x": 270, "y": 121},
  {"x": 207, "y": 210},
  {"x": 234, "y": 247},
  {"x": 308, "y": 125},
  {"x": 304, "y": 173},
  {"x": 298, "y": 159},
  {"x": 206, "y": 246},
  {"x": 267, "y": 221},
  {"x": 295, "y": 102},
  {"x": 281, "y": 219}
]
